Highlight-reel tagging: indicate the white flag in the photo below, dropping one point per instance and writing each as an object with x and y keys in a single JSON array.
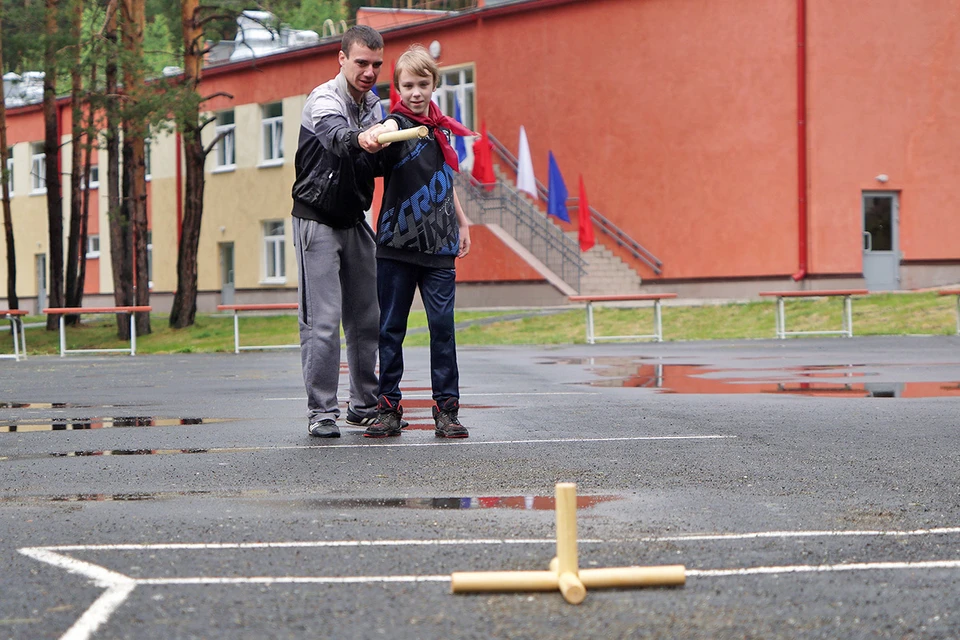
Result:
[{"x": 525, "y": 180}]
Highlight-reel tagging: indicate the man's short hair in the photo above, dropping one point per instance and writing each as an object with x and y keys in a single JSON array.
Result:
[
  {"x": 362, "y": 34},
  {"x": 419, "y": 62}
]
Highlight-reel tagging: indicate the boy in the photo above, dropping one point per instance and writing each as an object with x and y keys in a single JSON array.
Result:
[{"x": 422, "y": 230}]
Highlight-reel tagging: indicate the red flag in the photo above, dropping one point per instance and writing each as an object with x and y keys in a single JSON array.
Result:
[
  {"x": 586, "y": 224},
  {"x": 483, "y": 160},
  {"x": 394, "y": 94}
]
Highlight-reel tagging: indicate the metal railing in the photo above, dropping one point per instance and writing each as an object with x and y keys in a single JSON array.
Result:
[
  {"x": 616, "y": 234},
  {"x": 505, "y": 206}
]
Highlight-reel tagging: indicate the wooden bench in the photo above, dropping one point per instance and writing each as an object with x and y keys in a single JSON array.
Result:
[
  {"x": 76, "y": 311},
  {"x": 954, "y": 292},
  {"x": 847, "y": 319},
  {"x": 657, "y": 334},
  {"x": 16, "y": 328},
  {"x": 238, "y": 308}
]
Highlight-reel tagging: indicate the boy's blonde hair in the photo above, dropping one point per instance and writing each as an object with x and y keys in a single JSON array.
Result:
[{"x": 419, "y": 62}]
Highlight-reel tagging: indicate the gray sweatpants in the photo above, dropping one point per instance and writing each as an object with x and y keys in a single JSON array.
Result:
[{"x": 337, "y": 272}]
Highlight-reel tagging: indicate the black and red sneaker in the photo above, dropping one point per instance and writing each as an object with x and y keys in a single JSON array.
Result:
[
  {"x": 445, "y": 416},
  {"x": 388, "y": 423}
]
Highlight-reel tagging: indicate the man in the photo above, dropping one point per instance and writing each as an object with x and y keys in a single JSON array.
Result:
[{"x": 335, "y": 246}]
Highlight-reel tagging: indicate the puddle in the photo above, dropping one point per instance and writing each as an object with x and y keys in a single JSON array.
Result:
[
  {"x": 57, "y": 405},
  {"x": 813, "y": 380},
  {"x": 529, "y": 503},
  {"x": 127, "y": 497},
  {"x": 76, "y": 424}
]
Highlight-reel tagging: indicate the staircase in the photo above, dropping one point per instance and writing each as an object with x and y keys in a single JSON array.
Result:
[
  {"x": 598, "y": 271},
  {"x": 605, "y": 273}
]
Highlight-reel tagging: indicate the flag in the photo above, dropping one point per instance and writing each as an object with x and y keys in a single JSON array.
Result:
[
  {"x": 394, "y": 94},
  {"x": 459, "y": 144},
  {"x": 586, "y": 224},
  {"x": 525, "y": 180},
  {"x": 483, "y": 160},
  {"x": 556, "y": 192}
]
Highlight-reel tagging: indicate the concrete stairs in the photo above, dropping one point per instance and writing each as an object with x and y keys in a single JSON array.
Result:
[{"x": 606, "y": 272}]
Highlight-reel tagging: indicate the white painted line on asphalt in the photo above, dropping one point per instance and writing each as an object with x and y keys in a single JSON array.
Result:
[
  {"x": 294, "y": 580},
  {"x": 482, "y": 541},
  {"x": 118, "y": 587},
  {"x": 695, "y": 573},
  {"x": 823, "y": 568},
  {"x": 101, "y": 576},
  {"x": 800, "y": 534}
]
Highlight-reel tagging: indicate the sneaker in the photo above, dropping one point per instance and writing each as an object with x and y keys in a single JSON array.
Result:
[
  {"x": 325, "y": 428},
  {"x": 356, "y": 420},
  {"x": 388, "y": 423},
  {"x": 448, "y": 424}
]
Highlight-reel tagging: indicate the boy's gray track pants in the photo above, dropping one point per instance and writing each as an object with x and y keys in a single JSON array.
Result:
[{"x": 337, "y": 280}]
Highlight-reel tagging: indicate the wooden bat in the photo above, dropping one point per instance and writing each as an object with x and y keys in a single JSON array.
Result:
[{"x": 403, "y": 134}]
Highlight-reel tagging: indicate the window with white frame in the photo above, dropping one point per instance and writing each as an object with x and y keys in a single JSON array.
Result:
[
  {"x": 150, "y": 258},
  {"x": 272, "y": 133},
  {"x": 93, "y": 246},
  {"x": 10, "y": 170},
  {"x": 226, "y": 151},
  {"x": 38, "y": 169},
  {"x": 146, "y": 158},
  {"x": 456, "y": 85},
  {"x": 455, "y": 97},
  {"x": 274, "y": 251},
  {"x": 94, "y": 178}
]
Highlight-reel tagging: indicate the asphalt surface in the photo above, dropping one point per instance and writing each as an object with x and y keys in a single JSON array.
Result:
[{"x": 810, "y": 487}]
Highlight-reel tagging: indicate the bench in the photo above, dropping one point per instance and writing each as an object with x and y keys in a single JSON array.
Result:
[
  {"x": 657, "y": 334},
  {"x": 954, "y": 292},
  {"x": 76, "y": 311},
  {"x": 847, "y": 319},
  {"x": 16, "y": 328},
  {"x": 238, "y": 308}
]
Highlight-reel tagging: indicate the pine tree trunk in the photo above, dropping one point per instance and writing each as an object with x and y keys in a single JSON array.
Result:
[
  {"x": 13, "y": 302},
  {"x": 120, "y": 239},
  {"x": 134, "y": 133},
  {"x": 51, "y": 147},
  {"x": 184, "y": 309},
  {"x": 76, "y": 243}
]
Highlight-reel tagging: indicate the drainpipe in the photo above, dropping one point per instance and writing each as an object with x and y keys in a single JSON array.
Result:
[{"x": 802, "y": 137}]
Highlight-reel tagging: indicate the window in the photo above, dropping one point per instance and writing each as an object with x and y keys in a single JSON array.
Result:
[
  {"x": 94, "y": 178},
  {"x": 93, "y": 246},
  {"x": 273, "y": 133},
  {"x": 457, "y": 85},
  {"x": 274, "y": 252},
  {"x": 455, "y": 97},
  {"x": 226, "y": 153},
  {"x": 10, "y": 170},
  {"x": 383, "y": 92},
  {"x": 38, "y": 169},
  {"x": 146, "y": 158},
  {"x": 150, "y": 258}
]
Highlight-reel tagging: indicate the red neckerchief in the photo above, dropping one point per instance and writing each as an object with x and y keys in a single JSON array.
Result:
[{"x": 436, "y": 120}]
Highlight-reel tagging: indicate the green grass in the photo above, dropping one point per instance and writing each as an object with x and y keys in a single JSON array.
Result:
[{"x": 879, "y": 314}]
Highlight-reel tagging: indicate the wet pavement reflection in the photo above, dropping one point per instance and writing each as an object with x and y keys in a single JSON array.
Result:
[
  {"x": 77, "y": 424},
  {"x": 811, "y": 380},
  {"x": 528, "y": 503}
]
